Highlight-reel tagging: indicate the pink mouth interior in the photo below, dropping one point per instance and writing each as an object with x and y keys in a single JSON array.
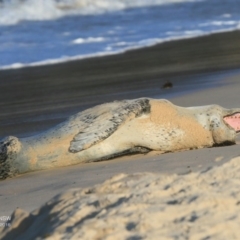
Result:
[{"x": 233, "y": 121}]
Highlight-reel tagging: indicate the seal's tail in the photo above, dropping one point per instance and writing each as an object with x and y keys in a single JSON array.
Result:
[{"x": 9, "y": 147}]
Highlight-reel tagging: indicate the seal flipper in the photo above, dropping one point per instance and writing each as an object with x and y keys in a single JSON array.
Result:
[{"x": 105, "y": 124}]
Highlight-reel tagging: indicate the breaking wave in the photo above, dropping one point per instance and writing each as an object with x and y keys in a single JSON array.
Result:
[{"x": 14, "y": 11}]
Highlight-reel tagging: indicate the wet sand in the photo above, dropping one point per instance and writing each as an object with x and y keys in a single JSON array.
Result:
[{"x": 33, "y": 99}]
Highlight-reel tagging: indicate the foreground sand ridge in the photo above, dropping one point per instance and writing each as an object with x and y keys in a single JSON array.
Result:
[{"x": 202, "y": 205}]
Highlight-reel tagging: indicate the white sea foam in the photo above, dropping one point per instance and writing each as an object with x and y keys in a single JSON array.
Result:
[
  {"x": 58, "y": 60},
  {"x": 88, "y": 40},
  {"x": 219, "y": 23},
  {"x": 226, "y": 15},
  {"x": 14, "y": 11}
]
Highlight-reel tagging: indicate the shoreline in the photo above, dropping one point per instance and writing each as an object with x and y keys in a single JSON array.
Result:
[
  {"x": 33, "y": 99},
  {"x": 58, "y": 61}
]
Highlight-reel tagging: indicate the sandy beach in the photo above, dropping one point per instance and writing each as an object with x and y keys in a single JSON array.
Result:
[
  {"x": 203, "y": 71},
  {"x": 195, "y": 206}
]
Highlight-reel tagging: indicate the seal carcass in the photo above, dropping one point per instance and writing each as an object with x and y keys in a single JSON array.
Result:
[{"x": 118, "y": 128}]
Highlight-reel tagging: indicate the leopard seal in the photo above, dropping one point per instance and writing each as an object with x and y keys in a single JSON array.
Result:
[{"x": 121, "y": 127}]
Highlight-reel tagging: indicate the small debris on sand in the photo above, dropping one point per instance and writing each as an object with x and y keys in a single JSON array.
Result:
[{"x": 167, "y": 85}]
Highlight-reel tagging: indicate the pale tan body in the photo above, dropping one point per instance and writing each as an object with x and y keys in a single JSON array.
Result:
[{"x": 165, "y": 128}]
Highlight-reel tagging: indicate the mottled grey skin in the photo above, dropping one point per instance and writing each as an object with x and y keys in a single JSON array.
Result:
[{"x": 114, "y": 129}]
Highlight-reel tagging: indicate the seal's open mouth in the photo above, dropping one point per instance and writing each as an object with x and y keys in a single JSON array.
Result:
[{"x": 233, "y": 121}]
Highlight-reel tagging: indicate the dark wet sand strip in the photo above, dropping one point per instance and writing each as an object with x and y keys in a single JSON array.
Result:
[{"x": 33, "y": 99}]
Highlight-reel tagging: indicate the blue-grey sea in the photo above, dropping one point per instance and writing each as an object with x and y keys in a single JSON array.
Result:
[{"x": 39, "y": 32}]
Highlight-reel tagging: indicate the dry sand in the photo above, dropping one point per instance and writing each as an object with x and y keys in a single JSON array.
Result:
[{"x": 195, "y": 206}]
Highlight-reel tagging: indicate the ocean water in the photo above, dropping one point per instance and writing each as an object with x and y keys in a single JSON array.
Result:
[{"x": 37, "y": 32}]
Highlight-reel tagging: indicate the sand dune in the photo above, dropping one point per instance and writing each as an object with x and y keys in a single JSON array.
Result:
[{"x": 202, "y": 205}]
